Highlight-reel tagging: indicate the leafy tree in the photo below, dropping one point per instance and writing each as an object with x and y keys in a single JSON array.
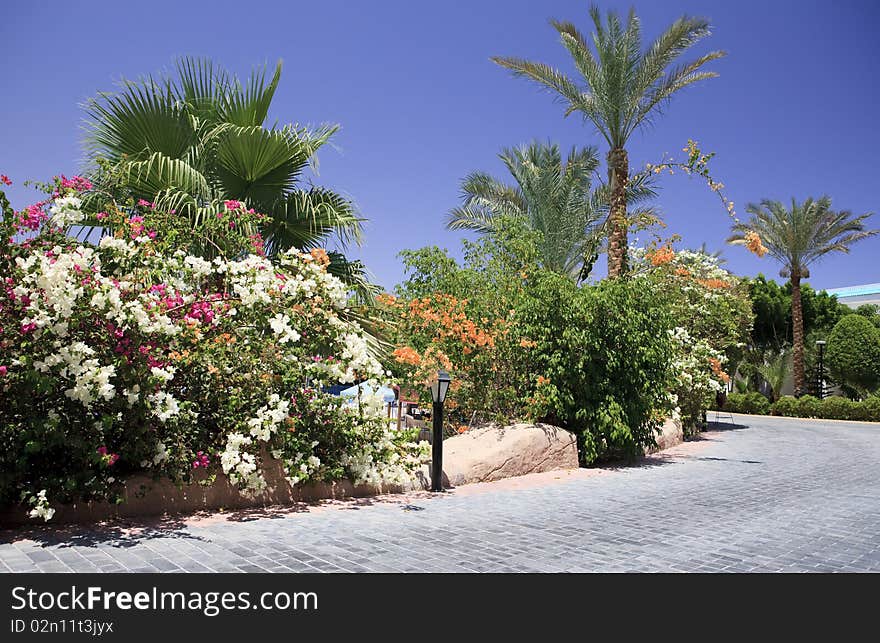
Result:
[
  {"x": 621, "y": 88},
  {"x": 555, "y": 198},
  {"x": 797, "y": 237},
  {"x": 188, "y": 143},
  {"x": 771, "y": 304},
  {"x": 853, "y": 353},
  {"x": 871, "y": 312}
]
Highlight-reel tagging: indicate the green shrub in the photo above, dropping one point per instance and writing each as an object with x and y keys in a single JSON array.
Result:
[
  {"x": 837, "y": 408},
  {"x": 853, "y": 354},
  {"x": 787, "y": 406},
  {"x": 753, "y": 403},
  {"x": 869, "y": 409},
  {"x": 757, "y": 403},
  {"x": 607, "y": 355},
  {"x": 809, "y": 407},
  {"x": 734, "y": 402}
]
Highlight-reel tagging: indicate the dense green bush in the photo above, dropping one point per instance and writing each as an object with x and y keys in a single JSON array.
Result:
[
  {"x": 809, "y": 407},
  {"x": 753, "y": 403},
  {"x": 786, "y": 405},
  {"x": 838, "y": 408},
  {"x": 607, "y": 355},
  {"x": 853, "y": 353},
  {"x": 868, "y": 409}
]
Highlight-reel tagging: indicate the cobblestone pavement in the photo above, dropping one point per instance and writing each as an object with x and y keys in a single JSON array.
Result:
[{"x": 767, "y": 494}]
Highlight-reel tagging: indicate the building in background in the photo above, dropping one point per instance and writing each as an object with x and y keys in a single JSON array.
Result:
[{"x": 855, "y": 296}]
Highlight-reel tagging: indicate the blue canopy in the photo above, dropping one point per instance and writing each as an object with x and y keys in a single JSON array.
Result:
[{"x": 386, "y": 393}]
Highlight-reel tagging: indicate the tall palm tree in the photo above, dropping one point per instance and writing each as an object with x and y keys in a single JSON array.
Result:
[
  {"x": 190, "y": 142},
  {"x": 554, "y": 197},
  {"x": 796, "y": 238},
  {"x": 622, "y": 88}
]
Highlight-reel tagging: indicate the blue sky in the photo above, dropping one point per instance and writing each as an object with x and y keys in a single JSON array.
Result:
[{"x": 792, "y": 114}]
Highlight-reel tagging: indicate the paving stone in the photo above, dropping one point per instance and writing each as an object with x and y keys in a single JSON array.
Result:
[{"x": 773, "y": 495}]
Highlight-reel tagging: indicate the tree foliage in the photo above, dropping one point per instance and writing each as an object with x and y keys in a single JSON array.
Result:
[
  {"x": 853, "y": 353},
  {"x": 189, "y": 142}
]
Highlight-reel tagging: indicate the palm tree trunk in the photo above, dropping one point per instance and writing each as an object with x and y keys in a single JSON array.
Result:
[
  {"x": 797, "y": 322},
  {"x": 618, "y": 175}
]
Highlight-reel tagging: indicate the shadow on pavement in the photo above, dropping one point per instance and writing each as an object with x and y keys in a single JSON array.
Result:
[
  {"x": 725, "y": 426},
  {"x": 119, "y": 533}
]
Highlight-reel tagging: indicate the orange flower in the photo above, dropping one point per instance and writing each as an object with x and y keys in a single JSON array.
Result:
[
  {"x": 543, "y": 380},
  {"x": 462, "y": 429},
  {"x": 682, "y": 272},
  {"x": 527, "y": 343},
  {"x": 715, "y": 365},
  {"x": 407, "y": 355},
  {"x": 661, "y": 256},
  {"x": 320, "y": 256},
  {"x": 754, "y": 243},
  {"x": 713, "y": 284},
  {"x": 386, "y": 299}
]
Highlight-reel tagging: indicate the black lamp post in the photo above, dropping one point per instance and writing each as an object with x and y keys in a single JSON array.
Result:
[
  {"x": 821, "y": 344},
  {"x": 438, "y": 393}
]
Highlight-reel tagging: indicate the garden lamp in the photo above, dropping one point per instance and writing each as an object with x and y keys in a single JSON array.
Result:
[{"x": 438, "y": 393}]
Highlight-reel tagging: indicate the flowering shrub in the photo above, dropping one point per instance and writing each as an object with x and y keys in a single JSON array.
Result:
[
  {"x": 524, "y": 343},
  {"x": 133, "y": 355},
  {"x": 462, "y": 318},
  {"x": 712, "y": 317}
]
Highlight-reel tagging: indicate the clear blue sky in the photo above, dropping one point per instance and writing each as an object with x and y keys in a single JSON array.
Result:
[{"x": 794, "y": 112}]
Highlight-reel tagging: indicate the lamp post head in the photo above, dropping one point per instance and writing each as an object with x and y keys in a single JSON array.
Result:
[
  {"x": 820, "y": 342},
  {"x": 440, "y": 387}
]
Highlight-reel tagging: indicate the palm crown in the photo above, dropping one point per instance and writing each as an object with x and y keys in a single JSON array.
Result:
[
  {"x": 191, "y": 142},
  {"x": 554, "y": 197},
  {"x": 621, "y": 87},
  {"x": 797, "y": 237}
]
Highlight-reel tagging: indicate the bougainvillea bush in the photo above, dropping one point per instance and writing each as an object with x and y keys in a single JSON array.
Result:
[
  {"x": 712, "y": 320},
  {"x": 129, "y": 354}
]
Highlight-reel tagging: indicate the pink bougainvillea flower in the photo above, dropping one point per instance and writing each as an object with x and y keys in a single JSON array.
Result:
[
  {"x": 77, "y": 183},
  {"x": 232, "y": 204},
  {"x": 5, "y": 180},
  {"x": 3, "y": 370}
]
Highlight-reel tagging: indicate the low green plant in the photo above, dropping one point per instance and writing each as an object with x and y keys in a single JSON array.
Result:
[
  {"x": 809, "y": 407},
  {"x": 752, "y": 403},
  {"x": 869, "y": 409},
  {"x": 838, "y": 408},
  {"x": 786, "y": 405}
]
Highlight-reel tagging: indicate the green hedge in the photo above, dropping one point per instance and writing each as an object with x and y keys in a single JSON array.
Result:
[
  {"x": 831, "y": 408},
  {"x": 753, "y": 403}
]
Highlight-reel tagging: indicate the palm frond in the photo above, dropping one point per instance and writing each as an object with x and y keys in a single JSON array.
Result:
[{"x": 307, "y": 218}]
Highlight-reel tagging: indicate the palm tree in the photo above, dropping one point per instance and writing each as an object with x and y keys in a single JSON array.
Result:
[
  {"x": 774, "y": 370},
  {"x": 553, "y": 197},
  {"x": 623, "y": 88},
  {"x": 796, "y": 238},
  {"x": 188, "y": 143}
]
